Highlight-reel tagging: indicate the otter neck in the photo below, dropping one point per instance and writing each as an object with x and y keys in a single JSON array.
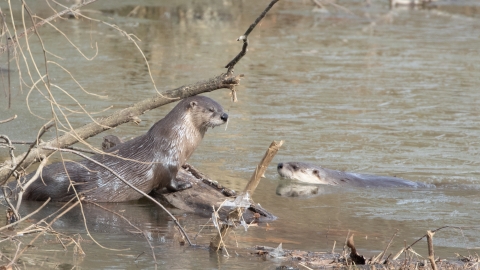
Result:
[{"x": 180, "y": 135}]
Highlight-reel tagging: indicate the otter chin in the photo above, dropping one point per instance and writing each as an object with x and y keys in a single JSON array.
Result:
[
  {"x": 312, "y": 174},
  {"x": 302, "y": 172},
  {"x": 148, "y": 162}
]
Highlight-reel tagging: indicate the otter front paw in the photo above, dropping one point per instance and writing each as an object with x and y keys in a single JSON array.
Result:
[{"x": 178, "y": 185}]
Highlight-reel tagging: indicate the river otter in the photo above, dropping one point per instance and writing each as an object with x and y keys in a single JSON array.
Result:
[
  {"x": 312, "y": 174},
  {"x": 148, "y": 161}
]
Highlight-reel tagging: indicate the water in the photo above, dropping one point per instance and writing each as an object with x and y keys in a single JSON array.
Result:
[{"x": 378, "y": 91}]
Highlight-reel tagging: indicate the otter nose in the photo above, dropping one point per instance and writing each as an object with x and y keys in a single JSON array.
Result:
[
  {"x": 224, "y": 117},
  {"x": 280, "y": 166}
]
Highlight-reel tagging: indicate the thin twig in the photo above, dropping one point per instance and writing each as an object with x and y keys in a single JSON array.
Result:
[
  {"x": 43, "y": 220},
  {"x": 379, "y": 258},
  {"x": 25, "y": 217},
  {"x": 81, "y": 150},
  {"x": 29, "y": 182},
  {"x": 131, "y": 224},
  {"x": 14, "y": 40},
  {"x": 244, "y": 38},
  {"x": 9, "y": 203},
  {"x": 37, "y": 140},
  {"x": 441, "y": 228},
  {"x": 8, "y": 119},
  {"x": 10, "y": 146},
  {"x": 38, "y": 235},
  {"x": 4, "y": 26}
]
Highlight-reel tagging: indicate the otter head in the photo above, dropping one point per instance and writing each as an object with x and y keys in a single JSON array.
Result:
[
  {"x": 205, "y": 112},
  {"x": 303, "y": 172}
]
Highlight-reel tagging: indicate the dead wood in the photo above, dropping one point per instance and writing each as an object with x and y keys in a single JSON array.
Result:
[
  {"x": 301, "y": 259},
  {"x": 431, "y": 254},
  {"x": 8, "y": 119},
  {"x": 205, "y": 194},
  {"x": 354, "y": 256},
  {"x": 262, "y": 166},
  {"x": 217, "y": 242}
]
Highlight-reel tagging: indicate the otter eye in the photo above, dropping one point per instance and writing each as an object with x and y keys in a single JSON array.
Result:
[
  {"x": 315, "y": 172},
  {"x": 212, "y": 109},
  {"x": 295, "y": 167}
]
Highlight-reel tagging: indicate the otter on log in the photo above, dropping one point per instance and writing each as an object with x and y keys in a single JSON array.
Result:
[
  {"x": 148, "y": 161},
  {"x": 308, "y": 173}
]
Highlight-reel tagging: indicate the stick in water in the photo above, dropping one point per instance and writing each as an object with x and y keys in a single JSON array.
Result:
[{"x": 262, "y": 167}]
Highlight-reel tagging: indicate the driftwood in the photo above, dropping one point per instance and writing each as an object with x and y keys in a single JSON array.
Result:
[{"x": 205, "y": 194}]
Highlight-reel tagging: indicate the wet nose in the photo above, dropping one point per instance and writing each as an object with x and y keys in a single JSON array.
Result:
[
  {"x": 280, "y": 166},
  {"x": 224, "y": 117}
]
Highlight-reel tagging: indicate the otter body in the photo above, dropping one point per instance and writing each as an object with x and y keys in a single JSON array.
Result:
[
  {"x": 110, "y": 141},
  {"x": 149, "y": 161},
  {"x": 312, "y": 174}
]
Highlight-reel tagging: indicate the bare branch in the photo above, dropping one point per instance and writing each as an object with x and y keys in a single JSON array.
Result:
[
  {"x": 16, "y": 166},
  {"x": 242, "y": 53},
  {"x": 262, "y": 166},
  {"x": 25, "y": 217},
  {"x": 29, "y": 182},
  {"x": 431, "y": 254},
  {"x": 14, "y": 40},
  {"x": 40, "y": 234},
  {"x": 9, "y": 119},
  {"x": 4, "y": 26},
  {"x": 120, "y": 117},
  {"x": 10, "y": 146}
]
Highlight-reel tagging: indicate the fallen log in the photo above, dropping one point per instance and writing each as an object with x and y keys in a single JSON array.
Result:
[{"x": 205, "y": 194}]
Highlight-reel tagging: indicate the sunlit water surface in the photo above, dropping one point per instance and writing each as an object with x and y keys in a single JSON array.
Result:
[{"x": 373, "y": 90}]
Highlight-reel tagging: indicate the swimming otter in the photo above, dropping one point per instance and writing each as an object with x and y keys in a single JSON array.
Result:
[
  {"x": 309, "y": 173},
  {"x": 148, "y": 161}
]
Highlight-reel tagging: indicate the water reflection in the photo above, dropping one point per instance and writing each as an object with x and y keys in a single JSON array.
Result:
[{"x": 289, "y": 188}]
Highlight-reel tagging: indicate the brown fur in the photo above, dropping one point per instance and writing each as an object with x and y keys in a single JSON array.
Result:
[{"x": 149, "y": 161}]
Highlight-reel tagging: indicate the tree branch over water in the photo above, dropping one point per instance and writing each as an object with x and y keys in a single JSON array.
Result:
[
  {"x": 242, "y": 53},
  {"x": 119, "y": 117}
]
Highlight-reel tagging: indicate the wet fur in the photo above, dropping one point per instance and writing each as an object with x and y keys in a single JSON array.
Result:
[
  {"x": 308, "y": 173},
  {"x": 148, "y": 161}
]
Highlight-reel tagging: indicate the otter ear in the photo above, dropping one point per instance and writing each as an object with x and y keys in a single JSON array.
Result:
[{"x": 192, "y": 104}]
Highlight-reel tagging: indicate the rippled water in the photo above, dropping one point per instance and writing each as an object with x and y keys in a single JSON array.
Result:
[{"x": 373, "y": 90}]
